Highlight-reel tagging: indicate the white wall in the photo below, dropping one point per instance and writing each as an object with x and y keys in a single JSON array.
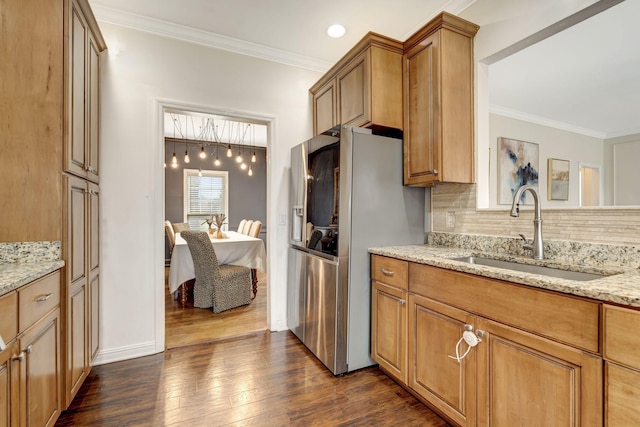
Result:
[
  {"x": 552, "y": 143},
  {"x": 140, "y": 73}
]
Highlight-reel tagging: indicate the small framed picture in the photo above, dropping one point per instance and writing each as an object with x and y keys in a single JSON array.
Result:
[
  {"x": 557, "y": 179},
  {"x": 517, "y": 166}
]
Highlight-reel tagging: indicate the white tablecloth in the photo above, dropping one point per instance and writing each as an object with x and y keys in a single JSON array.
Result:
[{"x": 238, "y": 249}]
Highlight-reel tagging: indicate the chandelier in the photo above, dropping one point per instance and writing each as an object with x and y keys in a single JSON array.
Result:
[{"x": 238, "y": 137}]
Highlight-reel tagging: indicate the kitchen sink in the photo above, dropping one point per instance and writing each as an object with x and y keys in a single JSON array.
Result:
[{"x": 528, "y": 268}]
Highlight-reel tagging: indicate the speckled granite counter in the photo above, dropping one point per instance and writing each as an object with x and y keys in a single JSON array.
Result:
[
  {"x": 621, "y": 286},
  {"x": 24, "y": 262}
]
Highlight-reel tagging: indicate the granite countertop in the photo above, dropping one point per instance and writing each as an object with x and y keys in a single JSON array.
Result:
[
  {"x": 16, "y": 274},
  {"x": 621, "y": 285}
]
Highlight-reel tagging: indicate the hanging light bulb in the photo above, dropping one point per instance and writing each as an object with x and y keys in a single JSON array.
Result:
[
  {"x": 203, "y": 155},
  {"x": 174, "y": 160},
  {"x": 229, "y": 152},
  {"x": 186, "y": 156},
  {"x": 243, "y": 166},
  {"x": 239, "y": 157},
  {"x": 253, "y": 157},
  {"x": 250, "y": 171},
  {"x": 217, "y": 161},
  {"x": 199, "y": 171}
]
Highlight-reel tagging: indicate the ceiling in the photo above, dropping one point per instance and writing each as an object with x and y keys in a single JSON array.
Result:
[{"x": 293, "y": 32}]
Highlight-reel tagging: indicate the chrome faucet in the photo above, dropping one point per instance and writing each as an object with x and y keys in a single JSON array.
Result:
[{"x": 537, "y": 245}]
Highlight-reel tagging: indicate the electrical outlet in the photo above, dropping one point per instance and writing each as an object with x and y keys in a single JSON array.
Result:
[{"x": 451, "y": 219}]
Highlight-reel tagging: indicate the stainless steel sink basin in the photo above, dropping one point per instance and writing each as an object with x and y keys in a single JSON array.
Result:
[{"x": 527, "y": 268}]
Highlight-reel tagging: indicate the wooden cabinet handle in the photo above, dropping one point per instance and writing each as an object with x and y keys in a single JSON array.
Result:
[
  {"x": 386, "y": 272},
  {"x": 43, "y": 298}
]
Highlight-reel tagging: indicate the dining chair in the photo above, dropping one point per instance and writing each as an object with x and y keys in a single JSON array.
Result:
[
  {"x": 255, "y": 229},
  {"x": 241, "y": 225},
  {"x": 171, "y": 235},
  {"x": 247, "y": 227},
  {"x": 179, "y": 227},
  {"x": 220, "y": 287}
]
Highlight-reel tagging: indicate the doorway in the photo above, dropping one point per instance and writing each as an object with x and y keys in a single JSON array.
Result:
[{"x": 196, "y": 143}]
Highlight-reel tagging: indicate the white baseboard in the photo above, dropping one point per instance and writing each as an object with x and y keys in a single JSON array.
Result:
[{"x": 125, "y": 353}]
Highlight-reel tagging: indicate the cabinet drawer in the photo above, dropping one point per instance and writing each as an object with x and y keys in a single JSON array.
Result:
[
  {"x": 621, "y": 340},
  {"x": 565, "y": 318},
  {"x": 37, "y": 299},
  {"x": 9, "y": 316},
  {"x": 391, "y": 271}
]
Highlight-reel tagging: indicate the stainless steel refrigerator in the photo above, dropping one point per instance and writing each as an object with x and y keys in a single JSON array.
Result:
[{"x": 346, "y": 186}]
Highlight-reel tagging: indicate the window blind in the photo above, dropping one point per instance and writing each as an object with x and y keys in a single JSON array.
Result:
[{"x": 205, "y": 195}]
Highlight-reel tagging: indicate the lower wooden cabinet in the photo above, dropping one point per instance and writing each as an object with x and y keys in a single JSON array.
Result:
[
  {"x": 526, "y": 380},
  {"x": 31, "y": 364},
  {"x": 448, "y": 385},
  {"x": 41, "y": 376},
  {"x": 524, "y": 375},
  {"x": 622, "y": 395},
  {"x": 389, "y": 329},
  {"x": 9, "y": 386}
]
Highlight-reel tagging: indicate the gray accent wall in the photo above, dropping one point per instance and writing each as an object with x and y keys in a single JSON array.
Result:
[{"x": 247, "y": 194}]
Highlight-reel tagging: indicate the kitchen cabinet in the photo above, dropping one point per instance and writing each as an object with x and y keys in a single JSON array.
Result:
[
  {"x": 30, "y": 365},
  {"x": 527, "y": 380},
  {"x": 81, "y": 147},
  {"x": 536, "y": 362},
  {"x": 437, "y": 67},
  {"x": 82, "y": 285},
  {"x": 389, "y": 316},
  {"x": 448, "y": 385},
  {"x": 622, "y": 365},
  {"x": 364, "y": 88}
]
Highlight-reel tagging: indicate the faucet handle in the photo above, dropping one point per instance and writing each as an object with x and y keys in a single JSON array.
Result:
[
  {"x": 523, "y": 238},
  {"x": 526, "y": 244}
]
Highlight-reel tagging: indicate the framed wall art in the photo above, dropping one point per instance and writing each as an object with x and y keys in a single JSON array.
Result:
[
  {"x": 517, "y": 166},
  {"x": 557, "y": 179}
]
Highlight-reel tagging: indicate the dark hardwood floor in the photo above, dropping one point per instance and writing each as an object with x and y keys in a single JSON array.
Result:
[{"x": 263, "y": 379}]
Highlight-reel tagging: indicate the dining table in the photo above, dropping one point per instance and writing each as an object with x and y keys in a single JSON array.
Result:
[{"x": 234, "y": 248}]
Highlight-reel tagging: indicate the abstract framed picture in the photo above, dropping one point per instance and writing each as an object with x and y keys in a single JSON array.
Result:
[
  {"x": 517, "y": 165},
  {"x": 557, "y": 179}
]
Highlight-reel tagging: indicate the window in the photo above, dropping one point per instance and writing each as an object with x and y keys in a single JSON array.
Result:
[{"x": 205, "y": 193}]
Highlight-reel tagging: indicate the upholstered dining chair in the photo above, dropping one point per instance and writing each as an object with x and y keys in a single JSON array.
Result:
[
  {"x": 171, "y": 235},
  {"x": 179, "y": 227},
  {"x": 255, "y": 229},
  {"x": 221, "y": 287},
  {"x": 247, "y": 226},
  {"x": 241, "y": 225}
]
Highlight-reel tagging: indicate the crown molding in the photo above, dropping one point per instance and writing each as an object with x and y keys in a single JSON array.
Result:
[
  {"x": 192, "y": 35},
  {"x": 454, "y": 7}
]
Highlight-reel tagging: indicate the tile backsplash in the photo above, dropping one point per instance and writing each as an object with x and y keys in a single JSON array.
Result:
[{"x": 616, "y": 225}]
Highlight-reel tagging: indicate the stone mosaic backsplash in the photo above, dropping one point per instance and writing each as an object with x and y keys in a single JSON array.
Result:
[
  {"x": 568, "y": 252},
  {"x": 23, "y": 252}
]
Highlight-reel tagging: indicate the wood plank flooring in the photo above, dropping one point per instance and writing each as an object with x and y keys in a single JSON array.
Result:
[
  {"x": 264, "y": 379},
  {"x": 188, "y": 325}
]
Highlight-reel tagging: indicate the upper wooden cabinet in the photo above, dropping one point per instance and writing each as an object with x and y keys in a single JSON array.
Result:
[
  {"x": 437, "y": 69},
  {"x": 363, "y": 89},
  {"x": 85, "y": 45}
]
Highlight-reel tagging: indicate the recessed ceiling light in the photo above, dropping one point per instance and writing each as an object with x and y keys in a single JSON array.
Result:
[{"x": 336, "y": 30}]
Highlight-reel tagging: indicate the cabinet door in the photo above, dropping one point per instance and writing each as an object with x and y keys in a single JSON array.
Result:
[
  {"x": 449, "y": 385},
  {"x": 325, "y": 112},
  {"x": 525, "y": 380},
  {"x": 354, "y": 94},
  {"x": 94, "y": 272},
  {"x": 75, "y": 148},
  {"x": 9, "y": 387},
  {"x": 422, "y": 130},
  {"x": 40, "y": 379},
  {"x": 76, "y": 293},
  {"x": 622, "y": 391},
  {"x": 93, "y": 109},
  {"x": 389, "y": 329}
]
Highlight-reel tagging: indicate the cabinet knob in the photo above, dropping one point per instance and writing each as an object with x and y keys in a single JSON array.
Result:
[
  {"x": 19, "y": 357},
  {"x": 90, "y": 169},
  {"x": 386, "y": 272},
  {"x": 433, "y": 171},
  {"x": 28, "y": 350},
  {"x": 43, "y": 298},
  {"x": 402, "y": 302}
]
